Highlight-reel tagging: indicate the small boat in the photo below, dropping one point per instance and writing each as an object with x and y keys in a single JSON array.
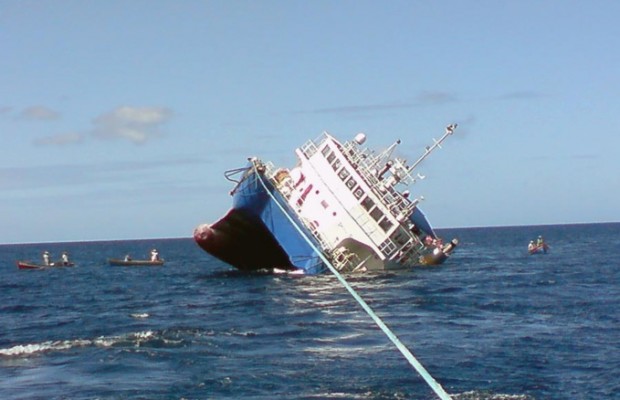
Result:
[
  {"x": 342, "y": 203},
  {"x": 31, "y": 265},
  {"x": 117, "y": 262},
  {"x": 537, "y": 247}
]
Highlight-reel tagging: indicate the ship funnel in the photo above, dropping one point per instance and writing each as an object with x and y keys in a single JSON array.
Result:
[{"x": 360, "y": 138}]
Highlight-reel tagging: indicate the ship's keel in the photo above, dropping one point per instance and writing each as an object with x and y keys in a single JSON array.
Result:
[{"x": 243, "y": 242}]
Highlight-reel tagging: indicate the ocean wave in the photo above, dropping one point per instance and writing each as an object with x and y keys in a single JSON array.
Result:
[
  {"x": 131, "y": 339},
  {"x": 485, "y": 395},
  {"x": 34, "y": 348}
]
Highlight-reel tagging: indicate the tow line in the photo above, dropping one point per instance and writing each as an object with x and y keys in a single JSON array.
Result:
[{"x": 430, "y": 381}]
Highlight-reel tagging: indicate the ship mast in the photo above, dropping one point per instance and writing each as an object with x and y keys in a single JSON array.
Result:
[{"x": 449, "y": 129}]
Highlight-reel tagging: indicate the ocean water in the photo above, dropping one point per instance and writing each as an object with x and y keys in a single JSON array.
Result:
[{"x": 491, "y": 323}]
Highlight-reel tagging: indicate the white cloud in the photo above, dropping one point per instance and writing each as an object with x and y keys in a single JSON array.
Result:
[
  {"x": 424, "y": 99},
  {"x": 136, "y": 124},
  {"x": 61, "y": 139},
  {"x": 430, "y": 98},
  {"x": 38, "y": 113}
]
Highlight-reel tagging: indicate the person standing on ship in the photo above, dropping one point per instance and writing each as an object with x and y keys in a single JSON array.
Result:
[
  {"x": 154, "y": 255},
  {"x": 46, "y": 258},
  {"x": 65, "y": 258}
]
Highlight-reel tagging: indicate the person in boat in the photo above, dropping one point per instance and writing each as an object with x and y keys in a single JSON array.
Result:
[
  {"x": 531, "y": 246},
  {"x": 154, "y": 255},
  {"x": 64, "y": 257},
  {"x": 540, "y": 241},
  {"x": 46, "y": 257},
  {"x": 127, "y": 257}
]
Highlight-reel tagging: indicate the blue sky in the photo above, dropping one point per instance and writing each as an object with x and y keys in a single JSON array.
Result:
[{"x": 118, "y": 118}]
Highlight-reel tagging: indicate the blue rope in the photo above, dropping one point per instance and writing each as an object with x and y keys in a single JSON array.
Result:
[{"x": 441, "y": 393}]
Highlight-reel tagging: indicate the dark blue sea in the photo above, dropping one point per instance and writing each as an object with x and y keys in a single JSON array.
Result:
[{"x": 491, "y": 323}]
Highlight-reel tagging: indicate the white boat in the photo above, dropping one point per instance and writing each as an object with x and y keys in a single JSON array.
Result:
[{"x": 342, "y": 202}]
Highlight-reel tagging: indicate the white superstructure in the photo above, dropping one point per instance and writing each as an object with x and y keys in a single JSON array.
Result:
[{"x": 356, "y": 204}]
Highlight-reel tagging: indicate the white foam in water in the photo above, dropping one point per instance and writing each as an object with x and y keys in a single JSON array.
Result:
[
  {"x": 105, "y": 341},
  {"x": 143, "y": 335},
  {"x": 44, "y": 346},
  {"x": 29, "y": 349},
  {"x": 483, "y": 395}
]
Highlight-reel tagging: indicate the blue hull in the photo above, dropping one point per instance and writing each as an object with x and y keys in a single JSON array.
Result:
[
  {"x": 260, "y": 231},
  {"x": 256, "y": 197}
]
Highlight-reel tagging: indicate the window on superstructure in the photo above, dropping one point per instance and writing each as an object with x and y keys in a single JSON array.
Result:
[
  {"x": 376, "y": 213},
  {"x": 331, "y": 157},
  {"x": 343, "y": 174},
  {"x": 385, "y": 224},
  {"x": 336, "y": 164},
  {"x": 367, "y": 203},
  {"x": 358, "y": 193},
  {"x": 325, "y": 151},
  {"x": 351, "y": 183}
]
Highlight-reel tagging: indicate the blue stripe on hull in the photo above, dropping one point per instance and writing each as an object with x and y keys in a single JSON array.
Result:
[{"x": 251, "y": 197}]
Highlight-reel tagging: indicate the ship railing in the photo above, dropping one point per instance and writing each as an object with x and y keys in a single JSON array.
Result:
[
  {"x": 310, "y": 147},
  {"x": 366, "y": 165},
  {"x": 401, "y": 208},
  {"x": 396, "y": 204},
  {"x": 343, "y": 259},
  {"x": 410, "y": 250},
  {"x": 353, "y": 153},
  {"x": 269, "y": 169}
]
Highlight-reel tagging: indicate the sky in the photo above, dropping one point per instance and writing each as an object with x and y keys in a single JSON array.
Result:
[{"x": 118, "y": 119}]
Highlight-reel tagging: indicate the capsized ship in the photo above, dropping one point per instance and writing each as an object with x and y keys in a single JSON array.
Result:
[{"x": 342, "y": 203}]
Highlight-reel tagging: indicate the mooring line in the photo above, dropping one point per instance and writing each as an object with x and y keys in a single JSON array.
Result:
[{"x": 437, "y": 388}]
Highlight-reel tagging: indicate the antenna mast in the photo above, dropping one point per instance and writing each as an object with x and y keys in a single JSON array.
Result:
[{"x": 449, "y": 129}]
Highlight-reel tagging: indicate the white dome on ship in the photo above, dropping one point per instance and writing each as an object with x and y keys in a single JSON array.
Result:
[
  {"x": 296, "y": 175},
  {"x": 360, "y": 138}
]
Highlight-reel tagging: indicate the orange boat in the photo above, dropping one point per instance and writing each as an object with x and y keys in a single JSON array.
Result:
[{"x": 538, "y": 247}]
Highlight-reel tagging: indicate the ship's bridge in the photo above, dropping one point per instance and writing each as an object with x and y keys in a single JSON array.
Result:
[{"x": 380, "y": 173}]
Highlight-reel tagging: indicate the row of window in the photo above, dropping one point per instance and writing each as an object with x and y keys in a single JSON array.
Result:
[{"x": 358, "y": 192}]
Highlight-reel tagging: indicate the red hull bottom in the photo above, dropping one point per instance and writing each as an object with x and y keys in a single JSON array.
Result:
[{"x": 242, "y": 242}]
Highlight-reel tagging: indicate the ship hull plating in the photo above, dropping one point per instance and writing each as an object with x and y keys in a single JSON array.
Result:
[{"x": 260, "y": 231}]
